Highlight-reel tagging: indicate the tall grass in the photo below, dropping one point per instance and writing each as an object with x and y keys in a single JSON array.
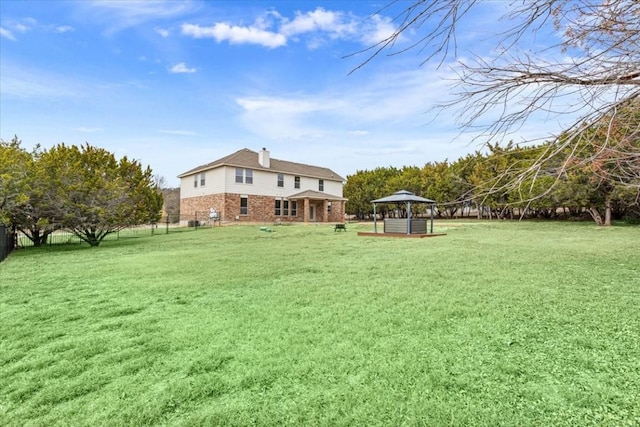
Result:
[{"x": 496, "y": 323}]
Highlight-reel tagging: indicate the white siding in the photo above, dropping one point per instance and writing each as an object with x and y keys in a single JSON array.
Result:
[
  {"x": 214, "y": 184},
  {"x": 223, "y": 180},
  {"x": 332, "y": 187},
  {"x": 266, "y": 184}
]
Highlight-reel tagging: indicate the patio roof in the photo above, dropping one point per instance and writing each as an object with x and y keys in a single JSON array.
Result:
[{"x": 310, "y": 194}]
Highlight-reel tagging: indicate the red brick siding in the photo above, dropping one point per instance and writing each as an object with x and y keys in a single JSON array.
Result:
[
  {"x": 260, "y": 209},
  {"x": 191, "y": 205}
]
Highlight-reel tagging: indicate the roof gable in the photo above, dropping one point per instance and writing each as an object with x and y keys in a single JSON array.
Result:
[{"x": 246, "y": 158}]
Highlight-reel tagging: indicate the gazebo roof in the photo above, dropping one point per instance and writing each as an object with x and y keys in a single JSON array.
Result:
[{"x": 403, "y": 196}]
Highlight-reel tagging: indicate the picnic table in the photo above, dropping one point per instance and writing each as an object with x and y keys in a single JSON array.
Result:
[{"x": 340, "y": 227}]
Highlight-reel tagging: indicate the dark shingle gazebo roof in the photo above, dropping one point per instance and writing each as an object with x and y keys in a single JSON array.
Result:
[{"x": 403, "y": 196}]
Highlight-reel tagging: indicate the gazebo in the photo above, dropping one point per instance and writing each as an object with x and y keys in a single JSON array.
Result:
[{"x": 409, "y": 225}]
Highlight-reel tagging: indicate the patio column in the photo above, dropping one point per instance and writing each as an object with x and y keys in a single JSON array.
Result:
[
  {"x": 305, "y": 210},
  {"x": 325, "y": 211}
]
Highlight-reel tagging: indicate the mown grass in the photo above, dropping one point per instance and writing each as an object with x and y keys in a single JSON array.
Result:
[{"x": 493, "y": 324}]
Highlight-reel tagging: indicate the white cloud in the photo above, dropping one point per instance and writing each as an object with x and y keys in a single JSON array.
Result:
[
  {"x": 314, "y": 28},
  {"x": 282, "y": 118},
  {"x": 282, "y": 105},
  {"x": 318, "y": 20},
  {"x": 163, "y": 32},
  {"x": 391, "y": 102},
  {"x": 119, "y": 15},
  {"x": 235, "y": 34},
  {"x": 88, "y": 130},
  {"x": 20, "y": 82},
  {"x": 63, "y": 29},
  {"x": 181, "y": 68},
  {"x": 377, "y": 29},
  {"x": 12, "y": 27},
  {"x": 178, "y": 132},
  {"x": 7, "y": 34},
  {"x": 26, "y": 25}
]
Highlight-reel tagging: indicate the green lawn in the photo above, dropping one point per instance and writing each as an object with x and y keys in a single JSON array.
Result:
[{"x": 496, "y": 323}]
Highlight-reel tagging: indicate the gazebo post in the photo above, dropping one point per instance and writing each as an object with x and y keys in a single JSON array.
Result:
[
  {"x": 408, "y": 217},
  {"x": 431, "y": 218},
  {"x": 375, "y": 224}
]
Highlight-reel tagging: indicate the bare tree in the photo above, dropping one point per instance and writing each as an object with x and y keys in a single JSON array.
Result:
[
  {"x": 159, "y": 181},
  {"x": 590, "y": 73}
]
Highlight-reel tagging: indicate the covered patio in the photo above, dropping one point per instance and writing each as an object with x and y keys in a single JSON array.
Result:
[{"x": 320, "y": 207}]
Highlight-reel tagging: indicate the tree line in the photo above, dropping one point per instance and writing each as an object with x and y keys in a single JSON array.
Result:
[
  {"x": 84, "y": 189},
  {"x": 582, "y": 63},
  {"x": 490, "y": 184}
]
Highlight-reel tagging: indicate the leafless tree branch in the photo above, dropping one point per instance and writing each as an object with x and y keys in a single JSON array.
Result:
[{"x": 590, "y": 72}]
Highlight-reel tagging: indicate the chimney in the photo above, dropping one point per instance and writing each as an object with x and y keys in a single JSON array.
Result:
[{"x": 263, "y": 158}]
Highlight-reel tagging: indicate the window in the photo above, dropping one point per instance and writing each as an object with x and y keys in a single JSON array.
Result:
[
  {"x": 244, "y": 205},
  {"x": 294, "y": 208},
  {"x": 296, "y": 182},
  {"x": 202, "y": 179},
  {"x": 285, "y": 208},
  {"x": 244, "y": 175},
  {"x": 321, "y": 185},
  {"x": 278, "y": 204},
  {"x": 195, "y": 180},
  {"x": 280, "y": 180}
]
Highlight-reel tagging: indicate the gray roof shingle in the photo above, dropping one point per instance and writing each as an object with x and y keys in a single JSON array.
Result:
[{"x": 246, "y": 158}]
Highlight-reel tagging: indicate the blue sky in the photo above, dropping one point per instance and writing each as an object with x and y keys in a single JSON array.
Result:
[{"x": 176, "y": 84}]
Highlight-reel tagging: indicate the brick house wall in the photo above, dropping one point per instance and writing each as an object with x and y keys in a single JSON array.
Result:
[
  {"x": 201, "y": 205},
  {"x": 260, "y": 208},
  {"x": 336, "y": 213}
]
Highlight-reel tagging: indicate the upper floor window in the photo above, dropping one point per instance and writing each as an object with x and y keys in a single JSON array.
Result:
[
  {"x": 280, "y": 180},
  {"x": 321, "y": 185},
  {"x": 195, "y": 180},
  {"x": 296, "y": 181},
  {"x": 202, "y": 179},
  {"x": 244, "y": 176}
]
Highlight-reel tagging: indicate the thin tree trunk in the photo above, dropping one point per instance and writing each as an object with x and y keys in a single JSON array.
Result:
[
  {"x": 607, "y": 212},
  {"x": 595, "y": 214}
]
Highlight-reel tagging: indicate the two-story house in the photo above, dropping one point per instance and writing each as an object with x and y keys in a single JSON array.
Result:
[{"x": 250, "y": 186}]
